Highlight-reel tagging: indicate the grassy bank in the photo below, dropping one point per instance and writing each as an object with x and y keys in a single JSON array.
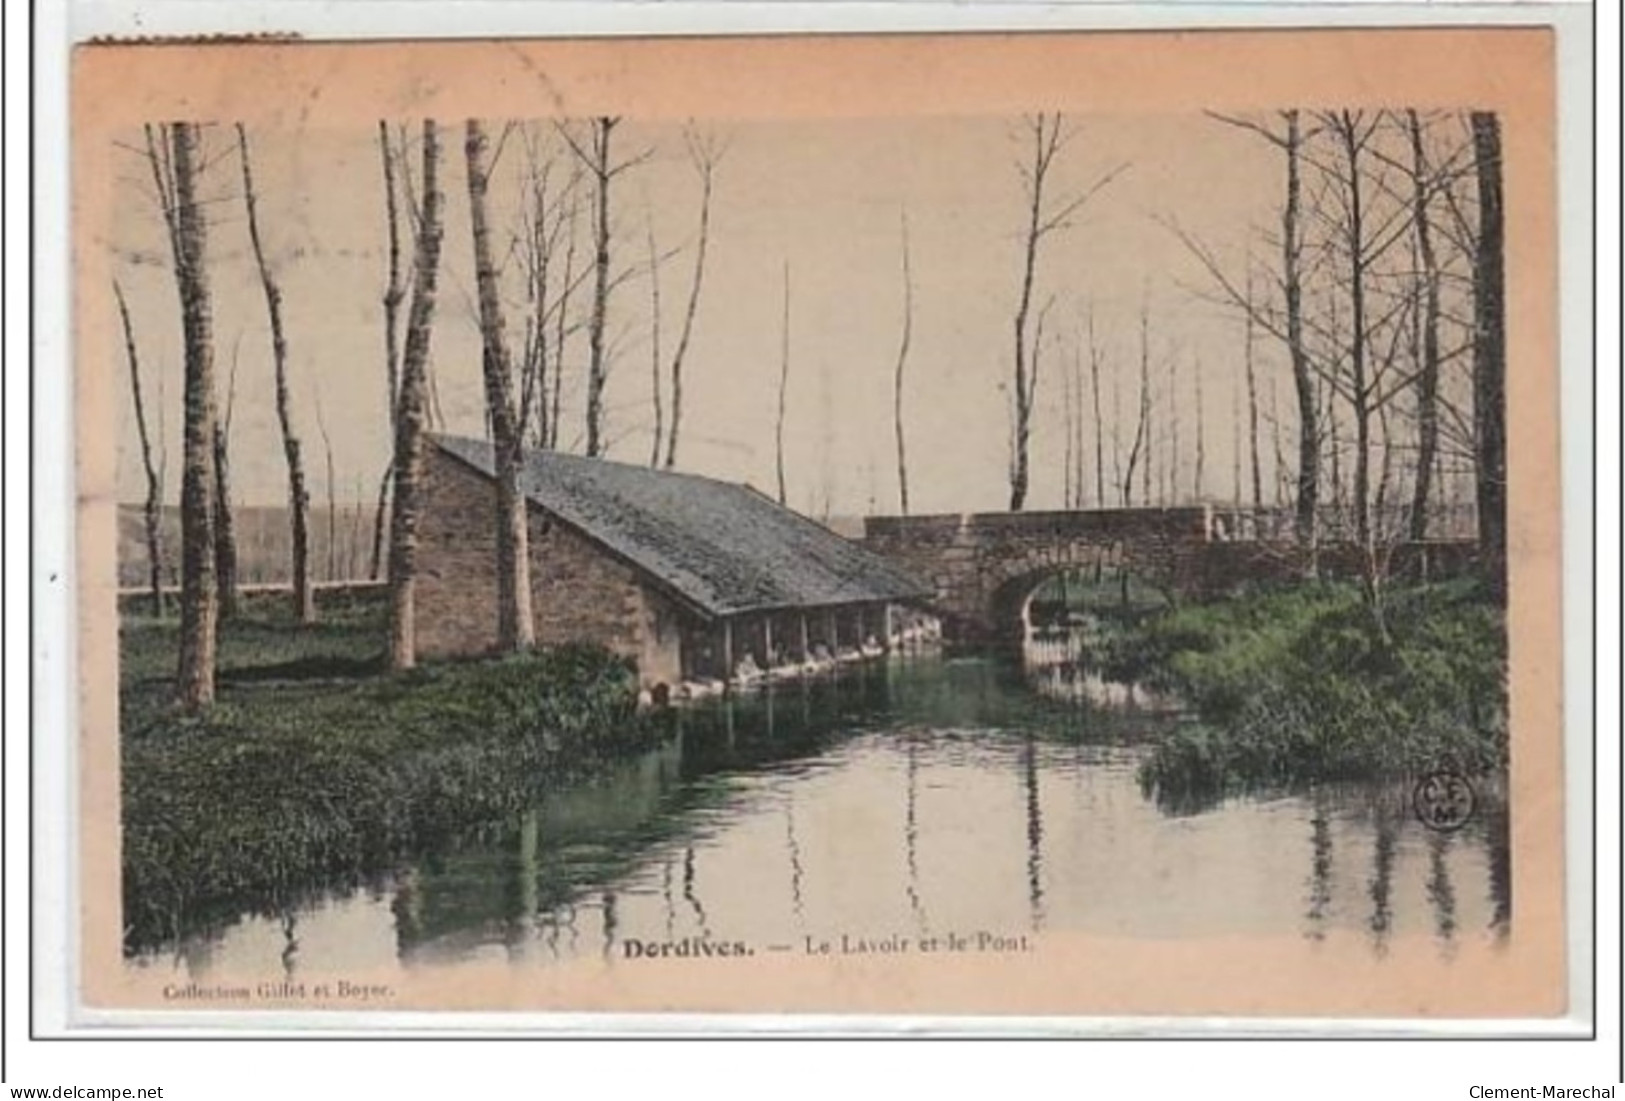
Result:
[
  {"x": 1297, "y": 684},
  {"x": 317, "y": 769}
]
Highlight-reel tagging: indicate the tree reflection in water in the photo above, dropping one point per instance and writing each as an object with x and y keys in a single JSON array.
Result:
[{"x": 930, "y": 794}]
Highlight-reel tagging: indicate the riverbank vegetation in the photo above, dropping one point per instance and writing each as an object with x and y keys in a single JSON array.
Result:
[
  {"x": 1299, "y": 684},
  {"x": 315, "y": 768}
]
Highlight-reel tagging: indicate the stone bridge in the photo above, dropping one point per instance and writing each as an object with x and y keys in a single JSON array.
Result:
[{"x": 985, "y": 566}]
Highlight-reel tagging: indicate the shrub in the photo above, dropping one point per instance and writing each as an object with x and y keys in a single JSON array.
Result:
[
  {"x": 1300, "y": 685},
  {"x": 274, "y": 794}
]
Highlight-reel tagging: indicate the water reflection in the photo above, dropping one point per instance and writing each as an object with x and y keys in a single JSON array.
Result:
[
  {"x": 1441, "y": 892},
  {"x": 1061, "y": 665},
  {"x": 1382, "y": 874},
  {"x": 1035, "y": 832},
  {"x": 928, "y": 794},
  {"x": 1320, "y": 866}
]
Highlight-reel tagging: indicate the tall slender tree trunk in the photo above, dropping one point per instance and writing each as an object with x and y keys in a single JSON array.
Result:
[
  {"x": 1489, "y": 353},
  {"x": 1077, "y": 427},
  {"x": 1023, "y": 412},
  {"x": 1142, "y": 420},
  {"x": 597, "y": 362},
  {"x": 516, "y": 627},
  {"x": 705, "y": 157},
  {"x": 1358, "y": 366},
  {"x": 1277, "y": 449},
  {"x": 1143, "y": 437},
  {"x": 412, "y": 412},
  {"x": 1171, "y": 473},
  {"x": 1427, "y": 377},
  {"x": 1308, "y": 488},
  {"x": 784, "y": 383},
  {"x": 1100, "y": 434},
  {"x": 1201, "y": 441},
  {"x": 394, "y": 295},
  {"x": 150, "y": 509},
  {"x": 562, "y": 328},
  {"x": 1252, "y": 399},
  {"x": 225, "y": 528},
  {"x": 1236, "y": 492},
  {"x": 897, "y": 374},
  {"x": 199, "y": 596},
  {"x": 1334, "y": 451},
  {"x": 1120, "y": 481},
  {"x": 380, "y": 518},
  {"x": 1069, "y": 458},
  {"x": 654, "y": 350},
  {"x": 332, "y": 497},
  {"x": 304, "y": 600}
]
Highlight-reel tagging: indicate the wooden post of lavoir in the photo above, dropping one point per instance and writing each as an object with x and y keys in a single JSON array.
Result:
[
  {"x": 727, "y": 651},
  {"x": 886, "y": 626},
  {"x": 767, "y": 641},
  {"x": 806, "y": 647}
]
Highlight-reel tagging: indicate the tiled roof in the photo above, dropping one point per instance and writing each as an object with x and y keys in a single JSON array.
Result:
[{"x": 723, "y": 547}]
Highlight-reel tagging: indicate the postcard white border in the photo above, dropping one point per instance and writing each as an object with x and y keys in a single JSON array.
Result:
[{"x": 53, "y": 579}]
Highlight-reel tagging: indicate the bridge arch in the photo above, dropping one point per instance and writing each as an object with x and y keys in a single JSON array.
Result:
[
  {"x": 1114, "y": 564},
  {"x": 985, "y": 567}
]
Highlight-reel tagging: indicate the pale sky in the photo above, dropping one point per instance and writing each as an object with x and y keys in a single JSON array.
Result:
[{"x": 827, "y": 198}]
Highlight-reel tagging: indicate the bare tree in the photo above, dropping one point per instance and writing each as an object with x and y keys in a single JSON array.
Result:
[
  {"x": 597, "y": 157},
  {"x": 516, "y": 627},
  {"x": 1100, "y": 435},
  {"x": 897, "y": 374},
  {"x": 1069, "y": 459},
  {"x": 1119, "y": 480},
  {"x": 1308, "y": 487},
  {"x": 549, "y": 225},
  {"x": 705, "y": 153},
  {"x": 1277, "y": 449},
  {"x": 1353, "y": 130},
  {"x": 1290, "y": 139},
  {"x": 784, "y": 384},
  {"x": 199, "y": 597},
  {"x": 1198, "y": 477},
  {"x": 1142, "y": 418},
  {"x": 394, "y": 295},
  {"x": 1047, "y": 137},
  {"x": 154, "y": 500},
  {"x": 1489, "y": 352},
  {"x": 304, "y": 600},
  {"x": 1250, "y": 365},
  {"x": 654, "y": 349},
  {"x": 225, "y": 528},
  {"x": 1427, "y": 383},
  {"x": 332, "y": 493},
  {"x": 561, "y": 327},
  {"x": 412, "y": 411},
  {"x": 1235, "y": 447},
  {"x": 1170, "y": 495},
  {"x": 1074, "y": 459}
]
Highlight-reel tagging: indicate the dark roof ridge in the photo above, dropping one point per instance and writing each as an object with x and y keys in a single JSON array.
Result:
[{"x": 639, "y": 468}]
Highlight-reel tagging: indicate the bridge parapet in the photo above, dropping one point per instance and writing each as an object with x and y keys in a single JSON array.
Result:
[
  {"x": 983, "y": 566},
  {"x": 1112, "y": 523}
]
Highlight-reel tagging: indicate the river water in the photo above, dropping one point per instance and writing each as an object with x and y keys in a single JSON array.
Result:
[{"x": 912, "y": 796}]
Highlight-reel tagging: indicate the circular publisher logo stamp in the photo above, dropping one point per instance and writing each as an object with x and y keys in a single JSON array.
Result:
[{"x": 1444, "y": 801}]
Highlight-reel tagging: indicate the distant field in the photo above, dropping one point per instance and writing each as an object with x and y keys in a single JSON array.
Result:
[{"x": 264, "y": 544}]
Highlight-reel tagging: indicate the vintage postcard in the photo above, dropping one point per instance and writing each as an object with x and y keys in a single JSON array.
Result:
[{"x": 1052, "y": 525}]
